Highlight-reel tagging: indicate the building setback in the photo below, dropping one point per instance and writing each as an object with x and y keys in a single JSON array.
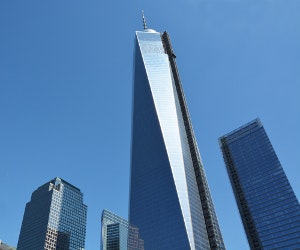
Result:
[
  {"x": 54, "y": 219},
  {"x": 268, "y": 206},
  {"x": 170, "y": 200}
]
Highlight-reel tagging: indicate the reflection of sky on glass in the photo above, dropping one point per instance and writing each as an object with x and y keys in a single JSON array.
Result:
[{"x": 159, "y": 75}]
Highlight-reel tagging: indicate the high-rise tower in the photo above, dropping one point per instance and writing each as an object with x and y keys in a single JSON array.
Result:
[
  {"x": 54, "y": 219},
  {"x": 170, "y": 200},
  {"x": 268, "y": 206}
]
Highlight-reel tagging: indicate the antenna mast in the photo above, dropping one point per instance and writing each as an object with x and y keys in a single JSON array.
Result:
[{"x": 144, "y": 20}]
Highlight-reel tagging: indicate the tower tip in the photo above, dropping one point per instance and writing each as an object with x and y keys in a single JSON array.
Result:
[{"x": 144, "y": 20}]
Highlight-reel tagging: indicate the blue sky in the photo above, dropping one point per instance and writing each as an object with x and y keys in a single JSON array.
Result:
[{"x": 66, "y": 93}]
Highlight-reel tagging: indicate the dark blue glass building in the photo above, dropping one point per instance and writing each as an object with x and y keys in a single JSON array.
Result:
[
  {"x": 268, "y": 206},
  {"x": 170, "y": 200},
  {"x": 54, "y": 219}
]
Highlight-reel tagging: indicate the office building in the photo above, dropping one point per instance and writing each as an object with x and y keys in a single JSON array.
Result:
[
  {"x": 268, "y": 206},
  {"x": 114, "y": 231},
  {"x": 170, "y": 201},
  {"x": 116, "y": 234},
  {"x": 54, "y": 218}
]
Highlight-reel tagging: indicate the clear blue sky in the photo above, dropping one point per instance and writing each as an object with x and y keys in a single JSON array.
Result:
[{"x": 66, "y": 92}]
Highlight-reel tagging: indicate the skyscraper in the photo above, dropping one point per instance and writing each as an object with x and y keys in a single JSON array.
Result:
[
  {"x": 170, "y": 200},
  {"x": 268, "y": 206},
  {"x": 54, "y": 219},
  {"x": 115, "y": 233}
]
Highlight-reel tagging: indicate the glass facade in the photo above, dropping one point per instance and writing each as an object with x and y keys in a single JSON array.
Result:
[
  {"x": 268, "y": 206},
  {"x": 116, "y": 234},
  {"x": 170, "y": 201},
  {"x": 54, "y": 219}
]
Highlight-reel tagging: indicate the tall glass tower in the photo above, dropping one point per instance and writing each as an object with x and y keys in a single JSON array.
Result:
[
  {"x": 170, "y": 200},
  {"x": 54, "y": 219},
  {"x": 268, "y": 206}
]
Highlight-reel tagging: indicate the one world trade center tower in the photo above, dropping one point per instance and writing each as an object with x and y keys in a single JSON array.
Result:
[{"x": 170, "y": 201}]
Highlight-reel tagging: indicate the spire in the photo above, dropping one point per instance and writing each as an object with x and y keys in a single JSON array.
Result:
[{"x": 144, "y": 20}]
